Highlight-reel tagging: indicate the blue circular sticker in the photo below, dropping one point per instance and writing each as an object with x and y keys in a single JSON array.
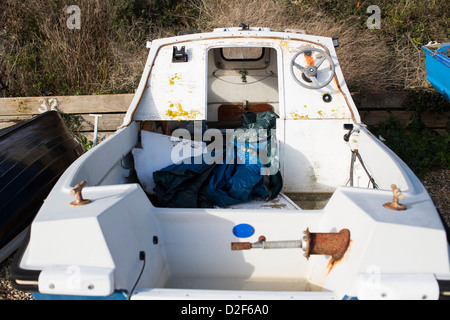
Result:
[{"x": 243, "y": 230}]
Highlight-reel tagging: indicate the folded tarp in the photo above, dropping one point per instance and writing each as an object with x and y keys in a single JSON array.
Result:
[
  {"x": 249, "y": 170},
  {"x": 184, "y": 185}
]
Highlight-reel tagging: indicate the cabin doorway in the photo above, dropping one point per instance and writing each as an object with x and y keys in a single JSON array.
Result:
[{"x": 240, "y": 80}]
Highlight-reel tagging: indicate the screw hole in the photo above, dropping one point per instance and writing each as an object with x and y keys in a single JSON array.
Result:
[{"x": 326, "y": 97}]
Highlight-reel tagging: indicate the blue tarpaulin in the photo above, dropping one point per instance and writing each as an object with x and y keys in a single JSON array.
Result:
[{"x": 240, "y": 177}]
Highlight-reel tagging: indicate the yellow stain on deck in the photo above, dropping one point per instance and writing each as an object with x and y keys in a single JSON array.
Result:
[
  {"x": 320, "y": 114},
  {"x": 296, "y": 116},
  {"x": 176, "y": 112},
  {"x": 285, "y": 44},
  {"x": 172, "y": 79}
]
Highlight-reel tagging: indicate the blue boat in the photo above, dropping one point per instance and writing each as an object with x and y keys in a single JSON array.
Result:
[{"x": 438, "y": 67}]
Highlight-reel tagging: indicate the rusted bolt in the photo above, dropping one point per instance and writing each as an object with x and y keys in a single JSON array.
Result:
[
  {"x": 395, "y": 205},
  {"x": 241, "y": 246},
  {"x": 77, "y": 191}
]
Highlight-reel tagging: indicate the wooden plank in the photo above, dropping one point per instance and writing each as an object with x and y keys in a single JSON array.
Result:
[
  {"x": 108, "y": 122},
  {"x": 375, "y": 117},
  {"x": 8, "y": 121},
  {"x": 374, "y": 107},
  {"x": 66, "y": 104},
  {"x": 100, "y": 136},
  {"x": 379, "y": 100},
  {"x": 430, "y": 119},
  {"x": 121, "y": 102},
  {"x": 435, "y": 119}
]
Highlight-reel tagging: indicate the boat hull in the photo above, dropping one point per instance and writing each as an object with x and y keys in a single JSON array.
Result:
[
  {"x": 127, "y": 243},
  {"x": 438, "y": 68},
  {"x": 33, "y": 155}
]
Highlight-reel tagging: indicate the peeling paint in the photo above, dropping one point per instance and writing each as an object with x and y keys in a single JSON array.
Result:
[
  {"x": 172, "y": 79},
  {"x": 176, "y": 112},
  {"x": 285, "y": 44},
  {"x": 316, "y": 113},
  {"x": 296, "y": 116}
]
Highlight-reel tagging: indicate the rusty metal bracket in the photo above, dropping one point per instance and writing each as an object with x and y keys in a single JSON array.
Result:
[
  {"x": 333, "y": 244},
  {"x": 395, "y": 205},
  {"x": 77, "y": 191}
]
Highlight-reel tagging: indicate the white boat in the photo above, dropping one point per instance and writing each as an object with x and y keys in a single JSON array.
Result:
[{"x": 351, "y": 221}]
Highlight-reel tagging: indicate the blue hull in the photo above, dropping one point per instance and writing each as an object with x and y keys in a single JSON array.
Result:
[
  {"x": 118, "y": 295},
  {"x": 438, "y": 68}
]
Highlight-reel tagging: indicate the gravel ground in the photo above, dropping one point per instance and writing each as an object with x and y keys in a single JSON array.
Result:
[
  {"x": 7, "y": 292},
  {"x": 437, "y": 183}
]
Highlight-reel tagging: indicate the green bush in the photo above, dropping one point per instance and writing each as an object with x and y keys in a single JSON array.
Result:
[
  {"x": 422, "y": 149},
  {"x": 425, "y": 100}
]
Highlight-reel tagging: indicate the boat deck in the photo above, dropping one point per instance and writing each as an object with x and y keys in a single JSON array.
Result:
[{"x": 284, "y": 201}]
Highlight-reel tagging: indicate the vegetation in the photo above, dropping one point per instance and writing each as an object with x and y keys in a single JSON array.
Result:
[
  {"x": 422, "y": 149},
  {"x": 39, "y": 53}
]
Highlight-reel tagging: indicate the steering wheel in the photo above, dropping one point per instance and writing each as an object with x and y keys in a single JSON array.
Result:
[{"x": 312, "y": 75}]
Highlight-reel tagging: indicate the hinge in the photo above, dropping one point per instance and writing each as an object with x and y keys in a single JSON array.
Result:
[{"x": 179, "y": 55}]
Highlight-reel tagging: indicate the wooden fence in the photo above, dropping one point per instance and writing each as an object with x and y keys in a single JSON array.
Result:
[
  {"x": 374, "y": 107},
  {"x": 111, "y": 107}
]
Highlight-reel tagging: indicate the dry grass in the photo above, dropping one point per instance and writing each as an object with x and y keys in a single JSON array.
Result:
[
  {"x": 366, "y": 61},
  {"x": 38, "y": 52},
  {"x": 41, "y": 53}
]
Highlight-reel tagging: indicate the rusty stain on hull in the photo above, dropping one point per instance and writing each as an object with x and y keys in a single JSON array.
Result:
[
  {"x": 333, "y": 244},
  {"x": 334, "y": 262}
]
